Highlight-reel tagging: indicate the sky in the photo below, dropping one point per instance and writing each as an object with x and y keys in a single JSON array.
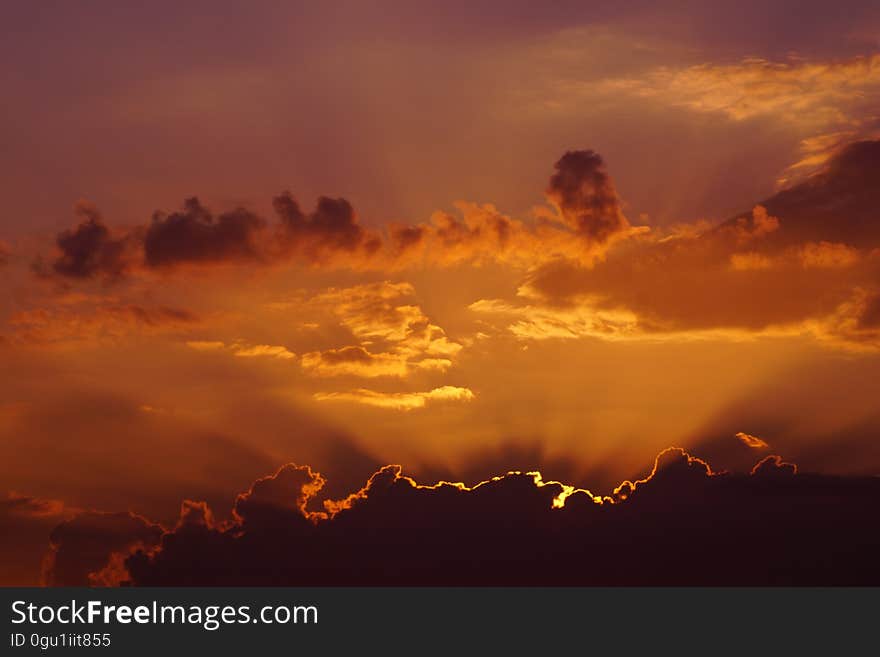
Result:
[{"x": 461, "y": 237}]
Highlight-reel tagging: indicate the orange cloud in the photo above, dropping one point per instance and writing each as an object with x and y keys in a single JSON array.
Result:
[
  {"x": 751, "y": 441},
  {"x": 84, "y": 322},
  {"x": 243, "y": 350},
  {"x": 831, "y": 101},
  {"x": 538, "y": 322},
  {"x": 583, "y": 219},
  {"x": 811, "y": 255},
  {"x": 400, "y": 401},
  {"x": 828, "y": 255},
  {"x": 381, "y": 316},
  {"x": 800, "y": 263},
  {"x": 26, "y": 506},
  {"x": 798, "y": 91},
  {"x": 273, "y": 351},
  {"x": 355, "y": 361}
]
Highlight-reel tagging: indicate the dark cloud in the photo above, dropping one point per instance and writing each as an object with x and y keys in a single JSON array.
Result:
[
  {"x": 773, "y": 466},
  {"x": 483, "y": 463},
  {"x": 589, "y": 216},
  {"x": 839, "y": 204},
  {"x": 331, "y": 229},
  {"x": 281, "y": 497},
  {"x": 25, "y": 524},
  {"x": 84, "y": 544},
  {"x": 404, "y": 238},
  {"x": 682, "y": 524},
  {"x": 808, "y": 254},
  {"x": 89, "y": 250},
  {"x": 582, "y": 190},
  {"x": 195, "y": 235}
]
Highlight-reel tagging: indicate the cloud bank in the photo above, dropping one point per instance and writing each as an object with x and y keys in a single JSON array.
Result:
[
  {"x": 584, "y": 216},
  {"x": 681, "y": 524},
  {"x": 805, "y": 261}
]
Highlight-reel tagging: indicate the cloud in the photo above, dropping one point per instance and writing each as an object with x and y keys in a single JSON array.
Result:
[
  {"x": 835, "y": 205},
  {"x": 801, "y": 263},
  {"x": 25, "y": 523},
  {"x": 330, "y": 232},
  {"x": 243, "y": 350},
  {"x": 195, "y": 235},
  {"x": 5, "y": 252},
  {"x": 773, "y": 466},
  {"x": 585, "y": 196},
  {"x": 210, "y": 452},
  {"x": 282, "y": 496},
  {"x": 828, "y": 103},
  {"x": 257, "y": 350},
  {"x": 681, "y": 524},
  {"x": 84, "y": 544},
  {"x": 674, "y": 471},
  {"x": 375, "y": 310},
  {"x": 482, "y": 462},
  {"x": 795, "y": 90},
  {"x": 395, "y": 336},
  {"x": 854, "y": 322},
  {"x": 584, "y": 218},
  {"x": 401, "y": 401},
  {"x": 91, "y": 320},
  {"x": 833, "y": 102},
  {"x": 89, "y": 250},
  {"x": 751, "y": 441},
  {"x": 537, "y": 322},
  {"x": 811, "y": 255},
  {"x": 481, "y": 235},
  {"x": 17, "y": 505},
  {"x": 354, "y": 361}
]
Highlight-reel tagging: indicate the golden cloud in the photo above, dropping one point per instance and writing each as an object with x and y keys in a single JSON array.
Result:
[
  {"x": 243, "y": 350},
  {"x": 751, "y": 441},
  {"x": 354, "y": 361},
  {"x": 797, "y": 90},
  {"x": 400, "y": 401},
  {"x": 88, "y": 320},
  {"x": 381, "y": 315}
]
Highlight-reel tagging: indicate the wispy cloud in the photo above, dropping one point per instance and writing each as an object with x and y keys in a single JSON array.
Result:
[
  {"x": 242, "y": 349},
  {"x": 400, "y": 401}
]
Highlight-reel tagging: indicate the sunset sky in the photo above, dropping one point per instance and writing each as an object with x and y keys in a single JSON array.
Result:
[{"x": 462, "y": 237}]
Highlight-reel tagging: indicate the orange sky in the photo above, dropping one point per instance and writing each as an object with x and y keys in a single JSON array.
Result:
[
  {"x": 571, "y": 336},
  {"x": 577, "y": 247}
]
